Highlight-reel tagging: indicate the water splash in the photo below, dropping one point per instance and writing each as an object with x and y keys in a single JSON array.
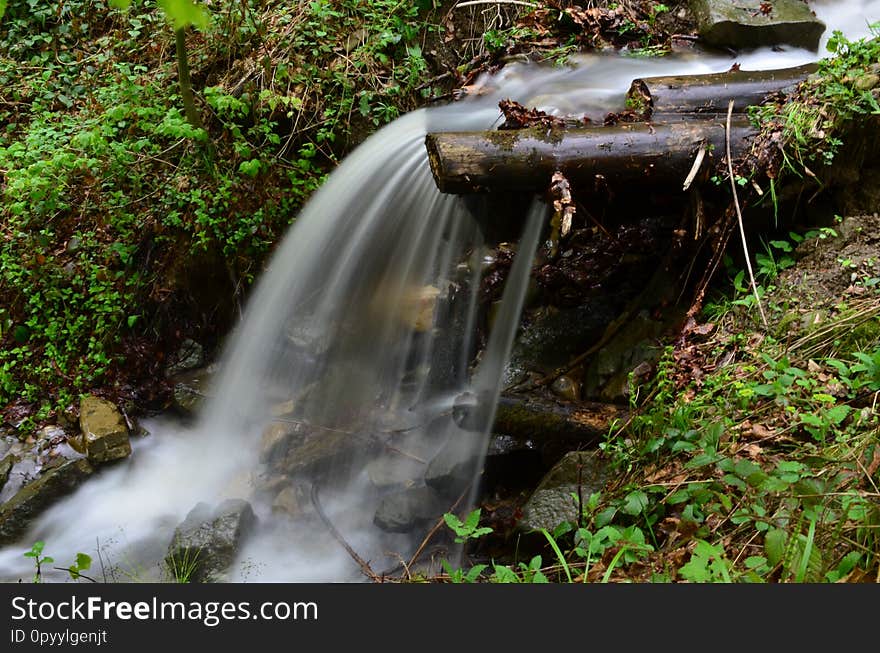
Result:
[{"x": 357, "y": 338}]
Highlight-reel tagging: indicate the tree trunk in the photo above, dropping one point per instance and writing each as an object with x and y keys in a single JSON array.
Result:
[
  {"x": 592, "y": 158},
  {"x": 709, "y": 94},
  {"x": 186, "y": 94}
]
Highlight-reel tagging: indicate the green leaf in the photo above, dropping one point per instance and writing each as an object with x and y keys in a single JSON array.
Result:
[
  {"x": 453, "y": 522},
  {"x": 474, "y": 572},
  {"x": 83, "y": 561},
  {"x": 185, "y": 12},
  {"x": 839, "y": 413},
  {"x": 774, "y": 545},
  {"x": 635, "y": 503},
  {"x": 119, "y": 4},
  {"x": 472, "y": 520},
  {"x": 2, "y": 8},
  {"x": 505, "y": 575}
]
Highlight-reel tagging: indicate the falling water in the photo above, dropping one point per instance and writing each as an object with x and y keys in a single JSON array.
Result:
[{"x": 359, "y": 339}]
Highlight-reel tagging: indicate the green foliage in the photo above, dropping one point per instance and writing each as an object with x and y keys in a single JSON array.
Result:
[
  {"x": 36, "y": 553},
  {"x": 82, "y": 563},
  {"x": 108, "y": 187},
  {"x": 468, "y": 529},
  {"x": 707, "y": 565},
  {"x": 844, "y": 89}
]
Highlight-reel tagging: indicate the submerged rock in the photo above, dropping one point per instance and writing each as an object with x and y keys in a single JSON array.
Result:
[
  {"x": 744, "y": 24},
  {"x": 579, "y": 473},
  {"x": 104, "y": 431},
  {"x": 17, "y": 513},
  {"x": 409, "y": 509},
  {"x": 207, "y": 542}
]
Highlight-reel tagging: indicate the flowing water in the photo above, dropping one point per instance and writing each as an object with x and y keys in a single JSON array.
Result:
[{"x": 355, "y": 355}]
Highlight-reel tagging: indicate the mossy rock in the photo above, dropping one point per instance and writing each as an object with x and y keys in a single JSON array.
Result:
[
  {"x": 746, "y": 24},
  {"x": 17, "y": 514}
]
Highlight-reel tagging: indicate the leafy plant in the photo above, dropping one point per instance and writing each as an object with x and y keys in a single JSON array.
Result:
[
  {"x": 469, "y": 529},
  {"x": 36, "y": 553}
]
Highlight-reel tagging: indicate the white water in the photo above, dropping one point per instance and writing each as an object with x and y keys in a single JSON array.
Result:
[{"x": 330, "y": 326}]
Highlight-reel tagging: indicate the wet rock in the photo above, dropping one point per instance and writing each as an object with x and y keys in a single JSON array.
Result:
[
  {"x": 294, "y": 500},
  {"x": 745, "y": 24},
  {"x": 207, "y": 542},
  {"x": 104, "y": 431},
  {"x": 323, "y": 453},
  {"x": 453, "y": 468},
  {"x": 277, "y": 440},
  {"x": 190, "y": 356},
  {"x": 566, "y": 387},
  {"x": 389, "y": 471},
  {"x": 409, "y": 510},
  {"x": 6, "y": 466},
  {"x": 607, "y": 377},
  {"x": 552, "y": 337},
  {"x": 17, "y": 513},
  {"x": 191, "y": 389},
  {"x": 579, "y": 473}
]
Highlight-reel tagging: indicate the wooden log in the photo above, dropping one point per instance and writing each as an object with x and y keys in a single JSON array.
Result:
[
  {"x": 710, "y": 93},
  {"x": 592, "y": 158}
]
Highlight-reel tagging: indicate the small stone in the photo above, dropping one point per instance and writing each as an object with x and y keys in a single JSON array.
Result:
[
  {"x": 866, "y": 82},
  {"x": 565, "y": 387},
  {"x": 190, "y": 356},
  {"x": 104, "y": 431}
]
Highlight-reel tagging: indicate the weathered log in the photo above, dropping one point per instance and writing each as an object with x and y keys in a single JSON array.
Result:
[
  {"x": 710, "y": 93},
  {"x": 543, "y": 420},
  {"x": 600, "y": 158}
]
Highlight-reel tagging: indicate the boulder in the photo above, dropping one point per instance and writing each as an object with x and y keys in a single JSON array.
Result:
[
  {"x": 18, "y": 512},
  {"x": 104, "y": 431},
  {"x": 207, "y": 542},
  {"x": 746, "y": 24},
  {"x": 579, "y": 473}
]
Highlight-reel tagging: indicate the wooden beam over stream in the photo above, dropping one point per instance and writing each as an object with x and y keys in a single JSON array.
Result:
[
  {"x": 592, "y": 158},
  {"x": 683, "y": 119}
]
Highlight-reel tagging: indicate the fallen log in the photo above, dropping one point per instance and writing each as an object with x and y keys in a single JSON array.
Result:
[
  {"x": 592, "y": 158},
  {"x": 684, "y": 95}
]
